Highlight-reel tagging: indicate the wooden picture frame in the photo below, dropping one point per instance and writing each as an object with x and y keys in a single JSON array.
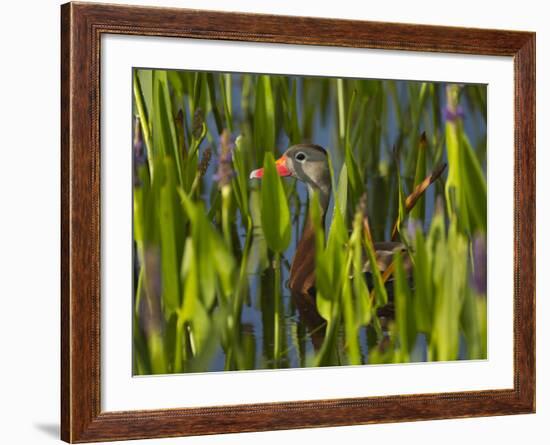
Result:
[{"x": 82, "y": 26}]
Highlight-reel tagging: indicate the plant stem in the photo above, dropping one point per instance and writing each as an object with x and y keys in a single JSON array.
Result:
[
  {"x": 179, "y": 356},
  {"x": 341, "y": 112},
  {"x": 277, "y": 310},
  {"x": 350, "y": 326},
  {"x": 226, "y": 205}
]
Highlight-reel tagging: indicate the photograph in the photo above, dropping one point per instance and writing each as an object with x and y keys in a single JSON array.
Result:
[{"x": 289, "y": 221}]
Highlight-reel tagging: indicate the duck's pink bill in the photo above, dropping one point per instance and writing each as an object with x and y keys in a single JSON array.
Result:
[{"x": 280, "y": 165}]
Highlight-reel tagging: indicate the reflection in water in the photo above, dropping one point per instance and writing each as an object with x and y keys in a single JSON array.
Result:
[{"x": 307, "y": 314}]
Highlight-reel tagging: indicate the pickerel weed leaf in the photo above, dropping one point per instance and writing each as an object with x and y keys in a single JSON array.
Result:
[
  {"x": 275, "y": 213},
  {"x": 404, "y": 310},
  {"x": 423, "y": 281},
  {"x": 264, "y": 116},
  {"x": 213, "y": 102},
  {"x": 330, "y": 271},
  {"x": 168, "y": 219}
]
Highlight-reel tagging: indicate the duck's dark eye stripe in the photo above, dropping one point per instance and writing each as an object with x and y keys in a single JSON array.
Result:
[{"x": 300, "y": 157}]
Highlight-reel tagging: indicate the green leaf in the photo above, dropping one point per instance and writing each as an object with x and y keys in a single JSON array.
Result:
[
  {"x": 355, "y": 178},
  {"x": 330, "y": 269},
  {"x": 168, "y": 239},
  {"x": 258, "y": 260},
  {"x": 142, "y": 109},
  {"x": 471, "y": 325},
  {"x": 274, "y": 207},
  {"x": 404, "y": 310},
  {"x": 145, "y": 81},
  {"x": 294, "y": 122},
  {"x": 193, "y": 312},
  {"x": 423, "y": 283},
  {"x": 449, "y": 292},
  {"x": 165, "y": 138},
  {"x": 466, "y": 186},
  {"x": 264, "y": 116},
  {"x": 225, "y": 87},
  {"x": 191, "y": 282},
  {"x": 240, "y": 181},
  {"x": 157, "y": 355},
  {"x": 328, "y": 355},
  {"x": 349, "y": 121},
  {"x": 213, "y": 102},
  {"x": 379, "y": 288},
  {"x": 197, "y": 91},
  {"x": 216, "y": 265},
  {"x": 341, "y": 196},
  {"x": 290, "y": 115},
  {"x": 402, "y": 212},
  {"x": 350, "y": 324},
  {"x": 176, "y": 81},
  {"x": 476, "y": 186},
  {"x": 341, "y": 110},
  {"x": 363, "y": 306}
]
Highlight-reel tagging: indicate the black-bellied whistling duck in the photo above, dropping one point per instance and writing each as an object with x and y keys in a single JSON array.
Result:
[{"x": 309, "y": 163}]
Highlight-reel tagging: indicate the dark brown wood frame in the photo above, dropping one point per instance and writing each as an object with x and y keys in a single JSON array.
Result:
[{"x": 81, "y": 28}]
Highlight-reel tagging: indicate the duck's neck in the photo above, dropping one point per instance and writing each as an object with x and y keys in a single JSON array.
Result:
[
  {"x": 302, "y": 270},
  {"x": 323, "y": 193}
]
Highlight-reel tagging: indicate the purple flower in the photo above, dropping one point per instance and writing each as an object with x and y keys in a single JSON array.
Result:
[
  {"x": 453, "y": 110},
  {"x": 228, "y": 175},
  {"x": 479, "y": 273},
  {"x": 452, "y": 115},
  {"x": 225, "y": 171}
]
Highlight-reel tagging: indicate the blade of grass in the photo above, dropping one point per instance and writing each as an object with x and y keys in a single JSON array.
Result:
[
  {"x": 144, "y": 120},
  {"x": 225, "y": 87},
  {"x": 213, "y": 102}
]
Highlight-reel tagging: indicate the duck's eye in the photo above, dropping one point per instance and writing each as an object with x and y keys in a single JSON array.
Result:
[{"x": 301, "y": 157}]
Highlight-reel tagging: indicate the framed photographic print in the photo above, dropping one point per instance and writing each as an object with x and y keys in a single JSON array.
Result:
[{"x": 276, "y": 222}]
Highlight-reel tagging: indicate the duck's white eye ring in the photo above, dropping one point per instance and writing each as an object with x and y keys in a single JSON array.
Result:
[{"x": 300, "y": 156}]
